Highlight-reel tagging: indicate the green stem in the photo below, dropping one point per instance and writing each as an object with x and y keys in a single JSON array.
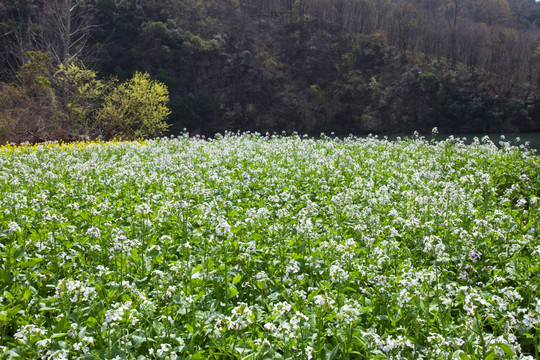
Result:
[
  {"x": 442, "y": 313},
  {"x": 481, "y": 334},
  {"x": 349, "y": 341}
]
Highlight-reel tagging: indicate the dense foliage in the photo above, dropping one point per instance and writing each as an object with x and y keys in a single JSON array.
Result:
[
  {"x": 135, "y": 109},
  {"x": 270, "y": 65},
  {"x": 70, "y": 102},
  {"x": 252, "y": 247}
]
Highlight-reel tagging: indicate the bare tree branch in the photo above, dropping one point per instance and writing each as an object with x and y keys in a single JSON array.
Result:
[{"x": 67, "y": 26}]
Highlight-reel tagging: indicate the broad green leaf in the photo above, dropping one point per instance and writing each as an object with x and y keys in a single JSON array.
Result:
[
  {"x": 460, "y": 354},
  {"x": 232, "y": 291},
  {"x": 137, "y": 341}
]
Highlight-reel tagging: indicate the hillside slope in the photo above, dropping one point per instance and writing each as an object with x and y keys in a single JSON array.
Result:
[{"x": 348, "y": 66}]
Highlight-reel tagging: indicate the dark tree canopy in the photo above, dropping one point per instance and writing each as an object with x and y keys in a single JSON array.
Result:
[{"x": 309, "y": 66}]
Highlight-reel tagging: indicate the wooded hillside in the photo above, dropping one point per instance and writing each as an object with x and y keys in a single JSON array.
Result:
[{"x": 296, "y": 65}]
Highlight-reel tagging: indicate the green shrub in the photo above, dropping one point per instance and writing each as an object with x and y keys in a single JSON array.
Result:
[
  {"x": 135, "y": 109},
  {"x": 29, "y": 108},
  {"x": 81, "y": 93}
]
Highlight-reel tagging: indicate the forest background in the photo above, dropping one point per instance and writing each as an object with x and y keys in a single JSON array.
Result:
[{"x": 73, "y": 68}]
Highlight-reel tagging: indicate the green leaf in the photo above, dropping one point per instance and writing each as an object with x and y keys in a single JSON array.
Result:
[
  {"x": 199, "y": 356},
  {"x": 197, "y": 269},
  {"x": 27, "y": 293},
  {"x": 137, "y": 341},
  {"x": 91, "y": 322},
  {"x": 14, "y": 311},
  {"x": 16, "y": 252},
  {"x": 82, "y": 333},
  {"x": 177, "y": 299},
  {"x": 46, "y": 308},
  {"x": 335, "y": 352},
  {"x": 461, "y": 354},
  {"x": 507, "y": 350},
  {"x": 232, "y": 292},
  {"x": 313, "y": 294},
  {"x": 153, "y": 253},
  {"x": 13, "y": 354},
  {"x": 237, "y": 279},
  {"x": 5, "y": 277},
  {"x": 242, "y": 349},
  {"x": 31, "y": 262}
]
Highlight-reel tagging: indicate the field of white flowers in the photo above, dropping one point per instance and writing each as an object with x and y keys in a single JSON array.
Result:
[{"x": 254, "y": 247}]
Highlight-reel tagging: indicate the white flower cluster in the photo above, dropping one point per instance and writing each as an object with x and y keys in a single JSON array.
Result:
[{"x": 74, "y": 290}]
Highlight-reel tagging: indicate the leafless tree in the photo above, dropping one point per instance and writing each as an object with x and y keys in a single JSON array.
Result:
[
  {"x": 339, "y": 8},
  {"x": 362, "y": 14},
  {"x": 67, "y": 26},
  {"x": 405, "y": 23},
  {"x": 19, "y": 37},
  {"x": 475, "y": 37},
  {"x": 452, "y": 14}
]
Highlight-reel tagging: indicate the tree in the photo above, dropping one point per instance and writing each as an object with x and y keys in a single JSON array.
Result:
[
  {"x": 533, "y": 65},
  {"x": 28, "y": 109},
  {"x": 84, "y": 93},
  {"x": 405, "y": 25},
  {"x": 135, "y": 109},
  {"x": 489, "y": 11},
  {"x": 475, "y": 38},
  {"x": 362, "y": 16},
  {"x": 60, "y": 28},
  {"x": 19, "y": 34},
  {"x": 339, "y": 8},
  {"x": 66, "y": 28},
  {"x": 452, "y": 13}
]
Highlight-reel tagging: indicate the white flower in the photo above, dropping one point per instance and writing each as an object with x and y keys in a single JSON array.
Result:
[
  {"x": 337, "y": 273},
  {"x": 475, "y": 255},
  {"x": 521, "y": 203},
  {"x": 93, "y": 231},
  {"x": 223, "y": 228},
  {"x": 60, "y": 355},
  {"x": 13, "y": 227},
  {"x": 43, "y": 343},
  {"x": 163, "y": 350},
  {"x": 323, "y": 300},
  {"x": 261, "y": 276}
]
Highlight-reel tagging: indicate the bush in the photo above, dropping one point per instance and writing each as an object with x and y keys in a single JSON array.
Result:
[
  {"x": 28, "y": 109},
  {"x": 135, "y": 109},
  {"x": 81, "y": 93},
  {"x": 70, "y": 101}
]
